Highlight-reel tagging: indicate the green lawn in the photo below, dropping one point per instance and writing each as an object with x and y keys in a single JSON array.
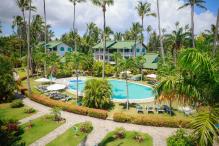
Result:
[
  {"x": 41, "y": 127},
  {"x": 70, "y": 138},
  {"x": 129, "y": 140},
  {"x": 6, "y": 112}
]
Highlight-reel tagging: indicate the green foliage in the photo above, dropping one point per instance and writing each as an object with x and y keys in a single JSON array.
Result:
[
  {"x": 151, "y": 120},
  {"x": 29, "y": 110},
  {"x": 56, "y": 113},
  {"x": 17, "y": 103},
  {"x": 181, "y": 138},
  {"x": 10, "y": 133},
  {"x": 204, "y": 127},
  {"x": 119, "y": 133},
  {"x": 6, "y": 79},
  {"x": 97, "y": 94},
  {"x": 86, "y": 127},
  {"x": 97, "y": 69}
]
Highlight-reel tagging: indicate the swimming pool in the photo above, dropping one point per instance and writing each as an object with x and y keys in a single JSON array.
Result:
[{"x": 136, "y": 91}]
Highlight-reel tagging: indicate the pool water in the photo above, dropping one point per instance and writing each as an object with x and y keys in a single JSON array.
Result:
[{"x": 136, "y": 91}]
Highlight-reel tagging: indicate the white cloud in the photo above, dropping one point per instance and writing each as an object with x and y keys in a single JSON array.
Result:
[{"x": 120, "y": 16}]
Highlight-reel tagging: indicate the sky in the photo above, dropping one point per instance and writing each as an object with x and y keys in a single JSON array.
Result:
[{"x": 119, "y": 17}]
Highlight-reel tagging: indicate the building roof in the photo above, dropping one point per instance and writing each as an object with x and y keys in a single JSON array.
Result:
[
  {"x": 108, "y": 44},
  {"x": 117, "y": 45},
  {"x": 124, "y": 44},
  {"x": 53, "y": 44},
  {"x": 151, "y": 61}
]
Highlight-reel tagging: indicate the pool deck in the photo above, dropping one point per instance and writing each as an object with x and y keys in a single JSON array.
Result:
[{"x": 66, "y": 81}]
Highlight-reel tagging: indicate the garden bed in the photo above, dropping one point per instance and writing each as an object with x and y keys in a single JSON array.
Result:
[
  {"x": 72, "y": 137},
  {"x": 126, "y": 138}
]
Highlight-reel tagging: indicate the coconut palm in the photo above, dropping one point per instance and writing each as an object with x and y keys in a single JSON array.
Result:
[
  {"x": 108, "y": 32},
  {"x": 28, "y": 50},
  {"x": 192, "y": 4},
  {"x": 135, "y": 33},
  {"x": 118, "y": 36},
  {"x": 177, "y": 38},
  {"x": 75, "y": 2},
  {"x": 45, "y": 35},
  {"x": 160, "y": 35},
  {"x": 125, "y": 65},
  {"x": 139, "y": 64},
  {"x": 117, "y": 57},
  {"x": 103, "y": 4},
  {"x": 37, "y": 28},
  {"x": 0, "y": 27},
  {"x": 216, "y": 35},
  {"x": 144, "y": 9}
]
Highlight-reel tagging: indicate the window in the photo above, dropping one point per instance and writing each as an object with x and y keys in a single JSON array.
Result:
[
  {"x": 69, "y": 50},
  {"x": 138, "y": 50},
  {"x": 62, "y": 49},
  {"x": 143, "y": 50}
]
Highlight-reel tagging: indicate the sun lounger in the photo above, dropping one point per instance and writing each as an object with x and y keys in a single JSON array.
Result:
[
  {"x": 139, "y": 109},
  {"x": 160, "y": 109},
  {"x": 168, "y": 110},
  {"x": 150, "y": 109}
]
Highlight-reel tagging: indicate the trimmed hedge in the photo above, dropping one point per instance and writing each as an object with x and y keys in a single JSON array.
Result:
[
  {"x": 97, "y": 113},
  {"x": 151, "y": 120},
  {"x": 101, "y": 114}
]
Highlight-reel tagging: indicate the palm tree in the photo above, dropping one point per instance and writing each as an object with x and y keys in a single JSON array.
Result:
[
  {"x": 149, "y": 29},
  {"x": 117, "y": 57},
  {"x": 28, "y": 50},
  {"x": 160, "y": 36},
  {"x": 103, "y": 4},
  {"x": 125, "y": 65},
  {"x": 74, "y": 7},
  {"x": 139, "y": 63},
  {"x": 177, "y": 38},
  {"x": 0, "y": 27},
  {"x": 144, "y": 9},
  {"x": 192, "y": 4},
  {"x": 216, "y": 35},
  {"x": 135, "y": 31},
  {"x": 108, "y": 32},
  {"x": 45, "y": 36},
  {"x": 118, "y": 36}
]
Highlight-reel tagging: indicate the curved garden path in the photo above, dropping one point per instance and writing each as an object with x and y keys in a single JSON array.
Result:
[{"x": 101, "y": 127}]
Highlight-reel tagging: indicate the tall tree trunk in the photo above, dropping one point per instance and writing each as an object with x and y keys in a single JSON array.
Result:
[
  {"x": 104, "y": 40},
  {"x": 45, "y": 37},
  {"x": 75, "y": 45},
  {"x": 77, "y": 85},
  {"x": 174, "y": 55},
  {"x": 192, "y": 26},
  {"x": 127, "y": 91},
  {"x": 28, "y": 52},
  {"x": 216, "y": 36},
  {"x": 142, "y": 35},
  {"x": 161, "y": 38}
]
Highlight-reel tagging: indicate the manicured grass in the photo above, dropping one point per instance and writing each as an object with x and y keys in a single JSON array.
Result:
[
  {"x": 40, "y": 127},
  {"x": 128, "y": 140},
  {"x": 70, "y": 138},
  {"x": 6, "y": 112}
]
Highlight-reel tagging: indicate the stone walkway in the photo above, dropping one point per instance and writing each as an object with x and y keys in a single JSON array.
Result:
[{"x": 101, "y": 127}]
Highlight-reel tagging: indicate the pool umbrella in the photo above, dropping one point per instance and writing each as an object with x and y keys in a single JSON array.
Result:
[
  {"x": 152, "y": 76},
  {"x": 56, "y": 87},
  {"x": 43, "y": 80}
]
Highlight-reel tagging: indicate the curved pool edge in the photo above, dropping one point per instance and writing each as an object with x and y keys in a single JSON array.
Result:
[{"x": 134, "y": 100}]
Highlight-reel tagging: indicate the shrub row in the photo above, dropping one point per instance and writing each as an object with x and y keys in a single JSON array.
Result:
[
  {"x": 68, "y": 106},
  {"x": 151, "y": 120}
]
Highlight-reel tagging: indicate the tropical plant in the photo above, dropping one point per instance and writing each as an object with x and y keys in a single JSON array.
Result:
[
  {"x": 144, "y": 9},
  {"x": 181, "y": 138},
  {"x": 17, "y": 103},
  {"x": 45, "y": 36},
  {"x": 108, "y": 32},
  {"x": 98, "y": 94},
  {"x": 6, "y": 79},
  {"x": 204, "y": 127},
  {"x": 135, "y": 33},
  {"x": 103, "y": 4},
  {"x": 75, "y": 2},
  {"x": 0, "y": 27},
  {"x": 118, "y": 36},
  {"x": 86, "y": 127},
  {"x": 56, "y": 113},
  {"x": 214, "y": 51},
  {"x": 177, "y": 38},
  {"x": 160, "y": 35},
  {"x": 139, "y": 64},
  {"x": 192, "y": 4},
  {"x": 117, "y": 57}
]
